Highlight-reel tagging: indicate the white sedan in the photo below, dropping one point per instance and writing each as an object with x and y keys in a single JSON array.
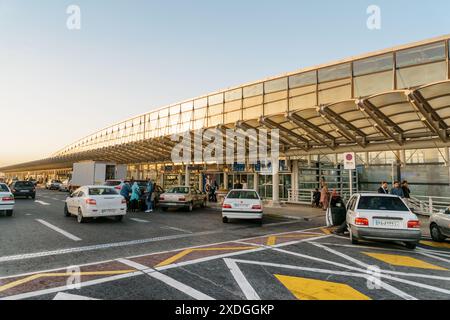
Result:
[
  {"x": 382, "y": 217},
  {"x": 95, "y": 202},
  {"x": 6, "y": 200},
  {"x": 242, "y": 204}
]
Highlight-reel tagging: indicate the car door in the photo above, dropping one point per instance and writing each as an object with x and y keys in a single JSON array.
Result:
[
  {"x": 70, "y": 202},
  {"x": 351, "y": 209}
]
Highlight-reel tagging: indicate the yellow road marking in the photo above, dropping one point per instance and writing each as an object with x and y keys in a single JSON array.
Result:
[
  {"x": 403, "y": 261},
  {"x": 326, "y": 231},
  {"x": 271, "y": 241},
  {"x": 436, "y": 244},
  {"x": 186, "y": 252},
  {"x": 310, "y": 289},
  {"x": 64, "y": 274}
]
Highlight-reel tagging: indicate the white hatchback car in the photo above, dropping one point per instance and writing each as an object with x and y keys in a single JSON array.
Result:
[
  {"x": 242, "y": 204},
  {"x": 95, "y": 202},
  {"x": 382, "y": 217},
  {"x": 440, "y": 225},
  {"x": 7, "y": 201}
]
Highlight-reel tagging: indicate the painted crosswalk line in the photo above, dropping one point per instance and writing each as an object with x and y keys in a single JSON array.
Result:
[
  {"x": 403, "y": 261},
  {"x": 311, "y": 289},
  {"x": 66, "y": 297}
]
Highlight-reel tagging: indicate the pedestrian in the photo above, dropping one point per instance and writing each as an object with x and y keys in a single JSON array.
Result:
[
  {"x": 244, "y": 185},
  {"x": 406, "y": 190},
  {"x": 125, "y": 192},
  {"x": 397, "y": 190},
  {"x": 149, "y": 197},
  {"x": 135, "y": 196},
  {"x": 238, "y": 185},
  {"x": 316, "y": 198},
  {"x": 384, "y": 188},
  {"x": 325, "y": 197}
]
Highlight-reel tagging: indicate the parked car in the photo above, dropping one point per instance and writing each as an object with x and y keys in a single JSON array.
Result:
[
  {"x": 53, "y": 184},
  {"x": 25, "y": 189},
  {"x": 117, "y": 184},
  {"x": 34, "y": 181},
  {"x": 182, "y": 197},
  {"x": 440, "y": 225},
  {"x": 6, "y": 200},
  {"x": 64, "y": 186},
  {"x": 382, "y": 217},
  {"x": 242, "y": 204},
  {"x": 94, "y": 202}
]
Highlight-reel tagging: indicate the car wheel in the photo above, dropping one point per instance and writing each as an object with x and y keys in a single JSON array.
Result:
[
  {"x": 353, "y": 239},
  {"x": 225, "y": 220},
  {"x": 411, "y": 245},
  {"x": 118, "y": 218},
  {"x": 80, "y": 217},
  {"x": 66, "y": 211},
  {"x": 436, "y": 233},
  {"x": 9, "y": 213}
]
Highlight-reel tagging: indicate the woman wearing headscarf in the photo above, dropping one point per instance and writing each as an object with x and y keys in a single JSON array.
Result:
[
  {"x": 324, "y": 197},
  {"x": 135, "y": 196}
]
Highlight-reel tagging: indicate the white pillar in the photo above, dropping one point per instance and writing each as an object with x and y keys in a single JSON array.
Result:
[
  {"x": 200, "y": 182},
  {"x": 403, "y": 158},
  {"x": 187, "y": 177},
  {"x": 255, "y": 181},
  {"x": 275, "y": 183},
  {"x": 225, "y": 180},
  {"x": 294, "y": 179}
]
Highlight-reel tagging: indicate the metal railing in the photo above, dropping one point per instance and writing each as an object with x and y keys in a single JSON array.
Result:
[{"x": 423, "y": 205}]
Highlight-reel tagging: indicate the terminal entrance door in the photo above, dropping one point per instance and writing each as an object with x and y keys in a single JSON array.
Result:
[{"x": 243, "y": 178}]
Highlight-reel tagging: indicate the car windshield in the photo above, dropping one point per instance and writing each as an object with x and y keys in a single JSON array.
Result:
[
  {"x": 3, "y": 188},
  {"x": 112, "y": 183},
  {"x": 24, "y": 184},
  {"x": 184, "y": 190},
  {"x": 382, "y": 203},
  {"x": 251, "y": 195},
  {"x": 102, "y": 191}
]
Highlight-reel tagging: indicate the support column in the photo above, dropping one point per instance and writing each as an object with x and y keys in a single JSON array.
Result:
[
  {"x": 255, "y": 180},
  {"x": 275, "y": 183},
  {"x": 225, "y": 180},
  {"x": 294, "y": 177},
  {"x": 200, "y": 182},
  {"x": 187, "y": 177}
]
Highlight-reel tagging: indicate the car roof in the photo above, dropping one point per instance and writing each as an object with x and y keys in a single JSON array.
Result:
[
  {"x": 381, "y": 195},
  {"x": 97, "y": 186},
  {"x": 239, "y": 190}
]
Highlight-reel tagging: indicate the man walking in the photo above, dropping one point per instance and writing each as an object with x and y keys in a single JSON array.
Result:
[
  {"x": 406, "y": 190},
  {"x": 397, "y": 190}
]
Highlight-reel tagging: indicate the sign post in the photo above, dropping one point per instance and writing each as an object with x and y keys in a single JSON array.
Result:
[{"x": 350, "y": 165}]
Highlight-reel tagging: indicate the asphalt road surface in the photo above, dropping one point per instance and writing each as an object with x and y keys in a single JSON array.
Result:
[{"x": 181, "y": 255}]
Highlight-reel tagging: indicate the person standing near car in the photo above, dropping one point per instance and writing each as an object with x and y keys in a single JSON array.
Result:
[
  {"x": 384, "y": 188},
  {"x": 149, "y": 198},
  {"x": 135, "y": 196},
  {"x": 325, "y": 197},
  {"x": 125, "y": 192},
  {"x": 397, "y": 190},
  {"x": 406, "y": 190}
]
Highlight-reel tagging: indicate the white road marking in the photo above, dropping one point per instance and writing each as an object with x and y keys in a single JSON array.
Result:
[
  {"x": 280, "y": 223},
  {"x": 64, "y": 288},
  {"x": 384, "y": 285},
  {"x": 42, "y": 202},
  {"x": 412, "y": 283},
  {"x": 241, "y": 280},
  {"x": 167, "y": 280},
  {"x": 101, "y": 246},
  {"x": 139, "y": 220},
  {"x": 433, "y": 256},
  {"x": 67, "y": 296},
  {"x": 176, "y": 229},
  {"x": 59, "y": 230}
]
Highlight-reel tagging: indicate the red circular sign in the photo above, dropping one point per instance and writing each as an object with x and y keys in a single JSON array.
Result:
[{"x": 349, "y": 157}]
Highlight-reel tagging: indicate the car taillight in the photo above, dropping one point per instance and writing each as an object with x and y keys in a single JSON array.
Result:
[
  {"x": 118, "y": 188},
  {"x": 256, "y": 207},
  {"x": 124, "y": 201},
  {"x": 226, "y": 206},
  {"x": 361, "y": 222},
  {"x": 8, "y": 199},
  {"x": 181, "y": 199},
  {"x": 92, "y": 202},
  {"x": 161, "y": 198},
  {"x": 413, "y": 224}
]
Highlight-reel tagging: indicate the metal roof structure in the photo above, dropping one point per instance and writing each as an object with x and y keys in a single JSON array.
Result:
[{"x": 389, "y": 100}]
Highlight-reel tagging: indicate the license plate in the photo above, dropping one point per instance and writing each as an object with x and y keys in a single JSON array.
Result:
[
  {"x": 392, "y": 224},
  {"x": 240, "y": 205},
  {"x": 23, "y": 191},
  {"x": 109, "y": 211}
]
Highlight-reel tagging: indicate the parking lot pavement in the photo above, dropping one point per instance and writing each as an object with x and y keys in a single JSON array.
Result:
[{"x": 182, "y": 255}]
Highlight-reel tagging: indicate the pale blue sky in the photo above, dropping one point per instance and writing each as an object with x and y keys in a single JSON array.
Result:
[{"x": 133, "y": 56}]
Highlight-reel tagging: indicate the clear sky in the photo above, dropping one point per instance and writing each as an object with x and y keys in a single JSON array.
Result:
[{"x": 132, "y": 56}]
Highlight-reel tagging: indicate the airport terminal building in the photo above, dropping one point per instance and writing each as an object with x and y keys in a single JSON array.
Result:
[{"x": 391, "y": 108}]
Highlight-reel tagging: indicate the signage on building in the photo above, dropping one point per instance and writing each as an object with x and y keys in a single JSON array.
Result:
[{"x": 349, "y": 161}]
